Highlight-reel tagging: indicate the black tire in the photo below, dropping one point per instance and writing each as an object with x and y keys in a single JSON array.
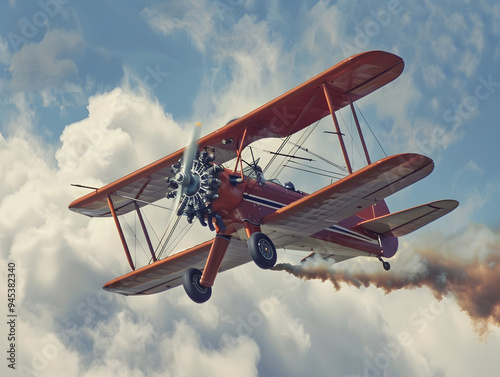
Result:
[
  {"x": 386, "y": 266},
  {"x": 262, "y": 250},
  {"x": 191, "y": 282}
]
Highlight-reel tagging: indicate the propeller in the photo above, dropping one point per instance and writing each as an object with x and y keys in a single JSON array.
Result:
[{"x": 195, "y": 183}]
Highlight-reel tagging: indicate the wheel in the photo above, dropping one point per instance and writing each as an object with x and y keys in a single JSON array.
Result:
[
  {"x": 191, "y": 282},
  {"x": 386, "y": 265},
  {"x": 262, "y": 250}
]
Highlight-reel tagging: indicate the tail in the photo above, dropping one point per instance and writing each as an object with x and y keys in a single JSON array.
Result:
[{"x": 390, "y": 226}]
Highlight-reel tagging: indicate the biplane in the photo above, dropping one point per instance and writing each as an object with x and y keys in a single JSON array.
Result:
[{"x": 251, "y": 216}]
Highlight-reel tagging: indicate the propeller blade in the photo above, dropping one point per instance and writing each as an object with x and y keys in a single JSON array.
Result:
[
  {"x": 190, "y": 151},
  {"x": 187, "y": 164}
]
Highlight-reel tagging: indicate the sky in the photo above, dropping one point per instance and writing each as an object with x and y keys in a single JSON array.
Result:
[{"x": 91, "y": 91}]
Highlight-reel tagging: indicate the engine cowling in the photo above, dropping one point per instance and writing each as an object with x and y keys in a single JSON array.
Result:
[{"x": 200, "y": 187}]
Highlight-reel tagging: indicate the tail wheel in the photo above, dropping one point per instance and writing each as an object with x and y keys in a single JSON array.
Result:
[
  {"x": 386, "y": 265},
  {"x": 262, "y": 250},
  {"x": 194, "y": 289}
]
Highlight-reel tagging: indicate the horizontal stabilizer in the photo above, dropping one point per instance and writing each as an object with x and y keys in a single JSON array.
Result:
[{"x": 401, "y": 223}]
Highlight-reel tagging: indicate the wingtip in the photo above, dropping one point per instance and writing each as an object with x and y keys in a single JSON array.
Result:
[{"x": 447, "y": 204}]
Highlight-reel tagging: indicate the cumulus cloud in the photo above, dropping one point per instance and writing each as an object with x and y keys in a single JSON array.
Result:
[
  {"x": 122, "y": 132},
  {"x": 238, "y": 355},
  {"x": 281, "y": 325},
  {"x": 62, "y": 258}
]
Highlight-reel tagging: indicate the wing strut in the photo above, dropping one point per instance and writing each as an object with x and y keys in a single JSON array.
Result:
[
  {"x": 120, "y": 232},
  {"x": 144, "y": 229},
  {"x": 238, "y": 154},
  {"x": 361, "y": 137},
  {"x": 330, "y": 102}
]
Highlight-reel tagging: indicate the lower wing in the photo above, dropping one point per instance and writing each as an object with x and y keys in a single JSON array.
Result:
[{"x": 167, "y": 273}]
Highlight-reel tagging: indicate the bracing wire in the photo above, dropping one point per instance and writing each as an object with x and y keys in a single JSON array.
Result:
[
  {"x": 291, "y": 131},
  {"x": 312, "y": 172},
  {"x": 275, "y": 155},
  {"x": 296, "y": 148},
  {"x": 368, "y": 124},
  {"x": 136, "y": 241},
  {"x": 150, "y": 225},
  {"x": 180, "y": 237},
  {"x": 315, "y": 168},
  {"x": 353, "y": 144},
  {"x": 164, "y": 244}
]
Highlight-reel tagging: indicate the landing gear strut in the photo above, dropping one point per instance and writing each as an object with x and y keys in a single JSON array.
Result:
[{"x": 385, "y": 264}]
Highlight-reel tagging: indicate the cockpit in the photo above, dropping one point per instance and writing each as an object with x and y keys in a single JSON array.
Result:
[{"x": 254, "y": 171}]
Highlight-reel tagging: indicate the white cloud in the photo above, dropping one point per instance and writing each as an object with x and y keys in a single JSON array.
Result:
[
  {"x": 455, "y": 22},
  {"x": 58, "y": 253},
  {"x": 324, "y": 28},
  {"x": 434, "y": 76},
  {"x": 40, "y": 65},
  {"x": 468, "y": 65},
  {"x": 5, "y": 55},
  {"x": 495, "y": 24},
  {"x": 191, "y": 17},
  {"x": 476, "y": 198},
  {"x": 443, "y": 47},
  {"x": 41, "y": 352},
  {"x": 238, "y": 356},
  {"x": 286, "y": 329},
  {"x": 474, "y": 167},
  {"x": 250, "y": 60},
  {"x": 123, "y": 132}
]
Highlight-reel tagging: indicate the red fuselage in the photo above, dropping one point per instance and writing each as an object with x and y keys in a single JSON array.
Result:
[{"x": 252, "y": 200}]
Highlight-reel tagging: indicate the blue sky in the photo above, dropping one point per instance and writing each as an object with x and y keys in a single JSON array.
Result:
[{"x": 90, "y": 91}]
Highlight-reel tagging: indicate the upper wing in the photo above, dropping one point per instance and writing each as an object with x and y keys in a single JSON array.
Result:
[
  {"x": 352, "y": 78},
  {"x": 167, "y": 273},
  {"x": 291, "y": 112},
  {"x": 344, "y": 198}
]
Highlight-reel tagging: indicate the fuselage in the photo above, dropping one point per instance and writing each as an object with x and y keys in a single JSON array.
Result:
[{"x": 253, "y": 199}]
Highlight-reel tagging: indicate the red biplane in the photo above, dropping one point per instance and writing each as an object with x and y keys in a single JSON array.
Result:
[{"x": 251, "y": 216}]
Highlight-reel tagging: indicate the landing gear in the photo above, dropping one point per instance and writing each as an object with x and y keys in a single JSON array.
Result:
[
  {"x": 386, "y": 265},
  {"x": 262, "y": 250},
  {"x": 191, "y": 282}
]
